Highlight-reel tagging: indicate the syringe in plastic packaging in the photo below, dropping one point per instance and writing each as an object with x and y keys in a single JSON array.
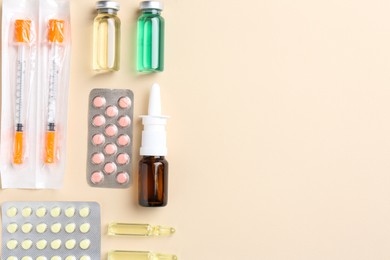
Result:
[
  {"x": 22, "y": 39},
  {"x": 56, "y": 38}
]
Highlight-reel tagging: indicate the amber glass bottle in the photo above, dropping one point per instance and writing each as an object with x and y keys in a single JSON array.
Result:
[{"x": 153, "y": 181}]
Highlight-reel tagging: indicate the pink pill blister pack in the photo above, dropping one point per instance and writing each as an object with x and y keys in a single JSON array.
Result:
[{"x": 110, "y": 133}]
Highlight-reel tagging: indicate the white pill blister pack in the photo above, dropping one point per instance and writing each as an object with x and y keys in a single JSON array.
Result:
[{"x": 51, "y": 231}]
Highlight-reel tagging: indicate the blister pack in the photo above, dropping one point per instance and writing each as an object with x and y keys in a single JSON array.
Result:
[
  {"x": 51, "y": 230},
  {"x": 110, "y": 132},
  {"x": 36, "y": 61}
]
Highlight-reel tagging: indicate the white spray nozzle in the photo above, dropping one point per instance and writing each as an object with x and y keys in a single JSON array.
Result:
[
  {"x": 154, "y": 101},
  {"x": 154, "y": 133}
]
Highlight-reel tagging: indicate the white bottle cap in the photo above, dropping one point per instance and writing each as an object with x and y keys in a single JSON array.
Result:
[{"x": 154, "y": 135}]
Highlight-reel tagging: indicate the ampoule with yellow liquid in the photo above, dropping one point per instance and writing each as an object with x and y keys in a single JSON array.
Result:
[
  {"x": 139, "y": 255},
  {"x": 129, "y": 229}
]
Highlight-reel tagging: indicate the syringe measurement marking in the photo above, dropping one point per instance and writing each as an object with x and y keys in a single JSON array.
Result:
[
  {"x": 20, "y": 81},
  {"x": 53, "y": 79}
]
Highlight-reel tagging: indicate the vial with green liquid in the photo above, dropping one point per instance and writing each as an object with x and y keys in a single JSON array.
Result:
[
  {"x": 150, "y": 37},
  {"x": 106, "y": 37}
]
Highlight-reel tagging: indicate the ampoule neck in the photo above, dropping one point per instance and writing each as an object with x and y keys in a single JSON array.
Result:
[
  {"x": 107, "y": 11},
  {"x": 151, "y": 11}
]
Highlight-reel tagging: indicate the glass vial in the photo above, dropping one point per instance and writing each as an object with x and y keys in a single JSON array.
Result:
[
  {"x": 106, "y": 37},
  {"x": 150, "y": 45},
  {"x": 153, "y": 181}
]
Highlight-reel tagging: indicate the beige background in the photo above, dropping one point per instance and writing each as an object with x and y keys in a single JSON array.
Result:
[{"x": 279, "y": 137}]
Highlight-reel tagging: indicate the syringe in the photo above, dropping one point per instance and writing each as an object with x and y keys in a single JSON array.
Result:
[
  {"x": 56, "y": 38},
  {"x": 22, "y": 39}
]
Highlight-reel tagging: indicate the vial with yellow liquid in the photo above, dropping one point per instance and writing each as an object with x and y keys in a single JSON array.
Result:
[{"x": 106, "y": 37}]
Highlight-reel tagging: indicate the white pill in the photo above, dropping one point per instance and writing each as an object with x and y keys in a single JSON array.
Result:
[
  {"x": 41, "y": 228},
  {"x": 56, "y": 244},
  {"x": 69, "y": 212},
  {"x": 26, "y": 228},
  {"x": 85, "y": 257},
  {"x": 12, "y": 228},
  {"x": 41, "y": 244},
  {"x": 70, "y": 228},
  {"x": 70, "y": 244},
  {"x": 14, "y": 258},
  {"x": 85, "y": 243},
  {"x": 55, "y": 228},
  {"x": 84, "y": 212},
  {"x": 55, "y": 212},
  {"x": 41, "y": 212},
  {"x": 12, "y": 212},
  {"x": 27, "y": 258},
  {"x": 12, "y": 244},
  {"x": 71, "y": 257},
  {"x": 56, "y": 257},
  {"x": 84, "y": 228},
  {"x": 26, "y": 244},
  {"x": 41, "y": 258},
  {"x": 26, "y": 212}
]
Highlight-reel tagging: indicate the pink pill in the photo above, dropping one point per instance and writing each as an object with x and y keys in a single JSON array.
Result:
[
  {"x": 111, "y": 130},
  {"x": 123, "y": 159},
  {"x": 124, "y": 121},
  {"x": 97, "y": 177},
  {"x": 99, "y": 102},
  {"x": 122, "y": 178},
  {"x": 97, "y": 158},
  {"x": 98, "y": 139},
  {"x": 110, "y": 168},
  {"x": 98, "y": 120},
  {"x": 123, "y": 140},
  {"x": 112, "y": 111},
  {"x": 124, "y": 102},
  {"x": 110, "y": 149}
]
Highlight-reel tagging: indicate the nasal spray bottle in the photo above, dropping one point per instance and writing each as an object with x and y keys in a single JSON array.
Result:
[{"x": 153, "y": 168}]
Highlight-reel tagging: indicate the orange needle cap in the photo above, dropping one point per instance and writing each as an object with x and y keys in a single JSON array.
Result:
[
  {"x": 18, "y": 149},
  {"x": 23, "y": 31},
  {"x": 56, "y": 30},
  {"x": 50, "y": 147}
]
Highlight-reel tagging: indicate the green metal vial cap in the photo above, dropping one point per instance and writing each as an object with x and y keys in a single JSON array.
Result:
[
  {"x": 107, "y": 5},
  {"x": 151, "y": 5}
]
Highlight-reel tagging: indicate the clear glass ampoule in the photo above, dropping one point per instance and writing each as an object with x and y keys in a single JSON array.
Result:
[
  {"x": 106, "y": 37},
  {"x": 144, "y": 230},
  {"x": 139, "y": 255}
]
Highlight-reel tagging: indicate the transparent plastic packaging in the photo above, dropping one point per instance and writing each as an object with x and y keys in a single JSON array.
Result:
[
  {"x": 36, "y": 48},
  {"x": 19, "y": 45}
]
